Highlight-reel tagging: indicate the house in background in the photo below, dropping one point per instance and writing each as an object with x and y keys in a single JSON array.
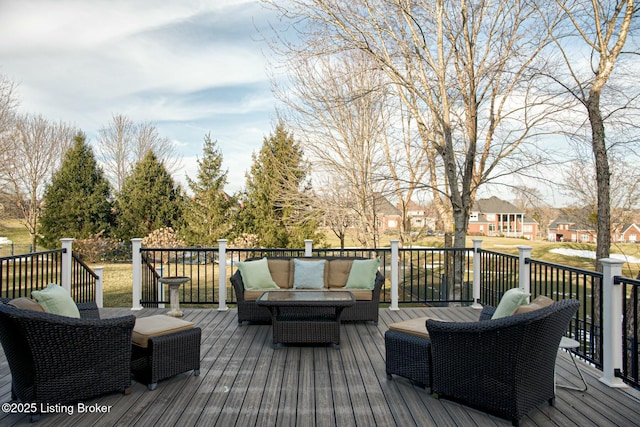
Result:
[
  {"x": 419, "y": 217},
  {"x": 388, "y": 217},
  {"x": 570, "y": 228},
  {"x": 496, "y": 217},
  {"x": 626, "y": 233}
]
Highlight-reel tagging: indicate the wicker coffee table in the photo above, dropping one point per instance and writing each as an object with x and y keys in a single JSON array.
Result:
[{"x": 306, "y": 317}]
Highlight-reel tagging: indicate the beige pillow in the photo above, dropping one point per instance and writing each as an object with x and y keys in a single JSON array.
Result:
[
  {"x": 339, "y": 272},
  {"x": 280, "y": 270},
  {"x": 26, "y": 304},
  {"x": 540, "y": 302}
]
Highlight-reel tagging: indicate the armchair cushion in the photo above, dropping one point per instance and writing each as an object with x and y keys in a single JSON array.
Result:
[
  {"x": 509, "y": 302},
  {"x": 56, "y": 300}
]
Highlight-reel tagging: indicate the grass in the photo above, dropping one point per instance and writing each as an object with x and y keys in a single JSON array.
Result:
[
  {"x": 15, "y": 231},
  {"x": 117, "y": 277}
]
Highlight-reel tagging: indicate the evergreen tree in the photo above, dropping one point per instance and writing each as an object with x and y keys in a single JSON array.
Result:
[
  {"x": 149, "y": 200},
  {"x": 207, "y": 214},
  {"x": 77, "y": 202},
  {"x": 277, "y": 196}
]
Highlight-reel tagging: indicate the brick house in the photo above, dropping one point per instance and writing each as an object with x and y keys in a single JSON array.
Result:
[
  {"x": 569, "y": 228},
  {"x": 496, "y": 217},
  {"x": 627, "y": 233}
]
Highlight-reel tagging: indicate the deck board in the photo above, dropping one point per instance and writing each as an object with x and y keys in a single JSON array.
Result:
[{"x": 244, "y": 381}]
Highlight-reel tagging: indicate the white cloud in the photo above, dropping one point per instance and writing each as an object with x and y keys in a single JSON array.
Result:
[{"x": 191, "y": 66}]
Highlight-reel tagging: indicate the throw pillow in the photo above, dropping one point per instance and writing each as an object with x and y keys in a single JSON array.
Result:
[
  {"x": 363, "y": 274},
  {"x": 26, "y": 304},
  {"x": 256, "y": 275},
  {"x": 56, "y": 300},
  {"x": 540, "y": 302},
  {"x": 308, "y": 274},
  {"x": 509, "y": 302}
]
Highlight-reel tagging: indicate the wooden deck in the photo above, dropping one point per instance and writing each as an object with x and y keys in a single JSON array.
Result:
[{"x": 246, "y": 382}]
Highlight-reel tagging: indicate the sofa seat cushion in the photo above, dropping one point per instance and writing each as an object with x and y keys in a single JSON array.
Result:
[
  {"x": 358, "y": 294},
  {"x": 416, "y": 327},
  {"x": 156, "y": 326}
]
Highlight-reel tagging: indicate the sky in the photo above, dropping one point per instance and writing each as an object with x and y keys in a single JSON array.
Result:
[{"x": 190, "y": 67}]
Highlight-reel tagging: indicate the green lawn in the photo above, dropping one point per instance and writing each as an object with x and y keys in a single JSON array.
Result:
[{"x": 117, "y": 277}]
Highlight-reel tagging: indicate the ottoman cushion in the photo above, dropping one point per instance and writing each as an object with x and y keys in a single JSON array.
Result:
[
  {"x": 155, "y": 326},
  {"x": 416, "y": 327}
]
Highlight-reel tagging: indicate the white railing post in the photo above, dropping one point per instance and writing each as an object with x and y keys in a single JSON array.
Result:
[
  {"x": 477, "y": 244},
  {"x": 611, "y": 323},
  {"x": 65, "y": 273},
  {"x": 308, "y": 247},
  {"x": 99, "y": 289},
  {"x": 395, "y": 262},
  {"x": 524, "y": 269},
  {"x": 136, "y": 260},
  {"x": 222, "y": 274}
]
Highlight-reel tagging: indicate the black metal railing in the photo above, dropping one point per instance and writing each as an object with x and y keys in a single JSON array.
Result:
[
  {"x": 498, "y": 273},
  {"x": 22, "y": 274},
  {"x": 83, "y": 280},
  {"x": 563, "y": 282},
  {"x": 630, "y": 326}
]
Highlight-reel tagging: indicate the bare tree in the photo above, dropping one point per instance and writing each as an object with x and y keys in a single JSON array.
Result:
[
  {"x": 335, "y": 202},
  {"x": 461, "y": 70},
  {"x": 602, "y": 27},
  {"x": 337, "y": 103},
  {"x": 33, "y": 150},
  {"x": 123, "y": 143},
  {"x": 8, "y": 105}
]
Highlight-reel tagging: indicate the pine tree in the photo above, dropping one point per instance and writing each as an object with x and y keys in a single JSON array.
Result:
[
  {"x": 77, "y": 202},
  {"x": 207, "y": 214},
  {"x": 277, "y": 196},
  {"x": 149, "y": 200}
]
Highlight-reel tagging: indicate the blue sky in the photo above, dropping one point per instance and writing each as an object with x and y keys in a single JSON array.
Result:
[{"x": 190, "y": 67}]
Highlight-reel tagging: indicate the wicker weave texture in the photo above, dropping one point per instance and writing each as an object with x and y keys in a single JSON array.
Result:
[
  {"x": 361, "y": 311},
  {"x": 166, "y": 356},
  {"x": 408, "y": 356},
  {"x": 503, "y": 366},
  {"x": 56, "y": 359}
]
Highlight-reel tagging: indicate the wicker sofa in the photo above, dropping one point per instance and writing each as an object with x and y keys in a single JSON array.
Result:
[
  {"x": 58, "y": 359},
  {"x": 336, "y": 273}
]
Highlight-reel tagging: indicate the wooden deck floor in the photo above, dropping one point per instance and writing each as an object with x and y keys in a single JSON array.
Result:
[{"x": 246, "y": 382}]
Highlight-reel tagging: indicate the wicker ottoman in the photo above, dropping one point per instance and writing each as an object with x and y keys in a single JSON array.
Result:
[
  {"x": 164, "y": 346},
  {"x": 408, "y": 354}
]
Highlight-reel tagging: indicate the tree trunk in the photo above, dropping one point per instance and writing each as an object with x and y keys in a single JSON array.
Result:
[{"x": 603, "y": 175}]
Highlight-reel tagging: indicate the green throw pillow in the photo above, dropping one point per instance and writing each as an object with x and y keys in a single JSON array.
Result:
[
  {"x": 256, "y": 275},
  {"x": 363, "y": 274},
  {"x": 56, "y": 300},
  {"x": 509, "y": 302},
  {"x": 308, "y": 274}
]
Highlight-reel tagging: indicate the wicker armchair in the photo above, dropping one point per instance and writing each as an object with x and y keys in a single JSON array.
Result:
[
  {"x": 505, "y": 366},
  {"x": 56, "y": 359}
]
